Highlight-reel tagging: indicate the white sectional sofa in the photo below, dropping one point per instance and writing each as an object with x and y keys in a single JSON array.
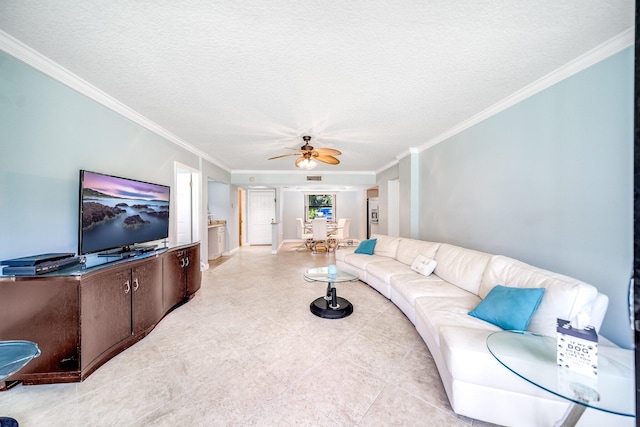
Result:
[{"x": 477, "y": 385}]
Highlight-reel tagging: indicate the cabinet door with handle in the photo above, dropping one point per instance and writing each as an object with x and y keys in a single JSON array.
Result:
[
  {"x": 146, "y": 289},
  {"x": 105, "y": 312},
  {"x": 43, "y": 310},
  {"x": 173, "y": 280},
  {"x": 193, "y": 274}
]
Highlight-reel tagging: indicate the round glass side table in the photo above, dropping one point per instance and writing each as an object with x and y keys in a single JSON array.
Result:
[
  {"x": 14, "y": 355},
  {"x": 533, "y": 358},
  {"x": 330, "y": 306}
]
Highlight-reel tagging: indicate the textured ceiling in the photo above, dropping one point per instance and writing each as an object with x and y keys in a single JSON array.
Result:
[{"x": 242, "y": 80}]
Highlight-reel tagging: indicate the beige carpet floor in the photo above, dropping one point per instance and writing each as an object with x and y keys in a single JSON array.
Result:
[{"x": 247, "y": 351}]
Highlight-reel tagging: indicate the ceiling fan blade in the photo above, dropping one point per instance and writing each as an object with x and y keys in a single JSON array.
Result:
[
  {"x": 327, "y": 159},
  {"x": 284, "y": 155},
  {"x": 328, "y": 152}
]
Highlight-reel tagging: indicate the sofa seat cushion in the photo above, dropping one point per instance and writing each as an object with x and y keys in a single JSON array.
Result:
[
  {"x": 564, "y": 297},
  {"x": 409, "y": 249},
  {"x": 362, "y": 274},
  {"x": 461, "y": 267},
  {"x": 464, "y": 351},
  {"x": 361, "y": 261},
  {"x": 437, "y": 312},
  {"x": 413, "y": 286},
  {"x": 406, "y": 288},
  {"x": 341, "y": 253},
  {"x": 384, "y": 270}
]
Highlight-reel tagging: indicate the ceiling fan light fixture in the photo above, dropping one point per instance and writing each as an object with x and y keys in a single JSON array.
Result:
[
  {"x": 307, "y": 164},
  {"x": 309, "y": 156}
]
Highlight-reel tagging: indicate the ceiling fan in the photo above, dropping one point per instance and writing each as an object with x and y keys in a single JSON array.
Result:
[{"x": 310, "y": 155}]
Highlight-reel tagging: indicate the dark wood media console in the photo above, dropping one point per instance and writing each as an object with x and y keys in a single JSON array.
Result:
[{"x": 83, "y": 316}]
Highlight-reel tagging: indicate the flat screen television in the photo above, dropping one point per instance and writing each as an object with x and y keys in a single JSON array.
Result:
[{"x": 120, "y": 213}]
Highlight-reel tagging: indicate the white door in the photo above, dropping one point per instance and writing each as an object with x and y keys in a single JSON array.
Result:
[
  {"x": 261, "y": 212},
  {"x": 187, "y": 203},
  {"x": 183, "y": 205}
]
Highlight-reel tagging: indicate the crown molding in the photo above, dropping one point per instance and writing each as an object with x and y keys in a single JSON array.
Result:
[
  {"x": 389, "y": 165},
  {"x": 590, "y": 58},
  {"x": 31, "y": 57}
]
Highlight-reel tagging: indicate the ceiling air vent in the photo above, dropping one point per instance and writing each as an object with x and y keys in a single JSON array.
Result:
[{"x": 314, "y": 177}]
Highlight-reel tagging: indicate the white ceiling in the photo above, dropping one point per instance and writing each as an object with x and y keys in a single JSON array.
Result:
[{"x": 242, "y": 80}]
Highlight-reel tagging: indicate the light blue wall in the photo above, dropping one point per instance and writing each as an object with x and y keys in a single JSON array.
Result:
[
  {"x": 219, "y": 205},
  {"x": 49, "y": 132},
  {"x": 548, "y": 181},
  {"x": 382, "y": 180},
  {"x": 218, "y": 201},
  {"x": 211, "y": 172},
  {"x": 292, "y": 208},
  {"x": 352, "y": 204},
  {"x": 409, "y": 177}
]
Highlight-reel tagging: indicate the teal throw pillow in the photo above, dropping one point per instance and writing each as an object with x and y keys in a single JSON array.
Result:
[
  {"x": 509, "y": 308},
  {"x": 366, "y": 247}
]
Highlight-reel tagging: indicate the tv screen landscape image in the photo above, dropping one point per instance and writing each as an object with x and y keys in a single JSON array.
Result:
[{"x": 120, "y": 212}]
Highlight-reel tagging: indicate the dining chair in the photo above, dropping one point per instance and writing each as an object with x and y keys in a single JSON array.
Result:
[
  {"x": 319, "y": 227},
  {"x": 307, "y": 238},
  {"x": 342, "y": 231}
]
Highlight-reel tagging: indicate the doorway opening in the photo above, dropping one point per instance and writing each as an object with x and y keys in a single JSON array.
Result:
[
  {"x": 241, "y": 214},
  {"x": 187, "y": 203}
]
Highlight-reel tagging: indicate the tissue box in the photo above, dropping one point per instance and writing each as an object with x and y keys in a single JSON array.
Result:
[{"x": 577, "y": 349}]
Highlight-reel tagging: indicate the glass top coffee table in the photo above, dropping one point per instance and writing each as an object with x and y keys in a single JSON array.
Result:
[
  {"x": 330, "y": 306},
  {"x": 533, "y": 358},
  {"x": 14, "y": 355}
]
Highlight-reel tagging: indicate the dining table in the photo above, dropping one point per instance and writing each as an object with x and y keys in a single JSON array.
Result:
[
  {"x": 331, "y": 241},
  {"x": 332, "y": 228}
]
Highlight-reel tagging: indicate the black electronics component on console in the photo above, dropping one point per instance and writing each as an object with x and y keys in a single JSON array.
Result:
[
  {"x": 39, "y": 264},
  {"x": 36, "y": 259}
]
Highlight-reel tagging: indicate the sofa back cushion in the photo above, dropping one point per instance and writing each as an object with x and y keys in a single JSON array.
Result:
[
  {"x": 563, "y": 298},
  {"x": 461, "y": 267},
  {"x": 385, "y": 245},
  {"x": 409, "y": 249}
]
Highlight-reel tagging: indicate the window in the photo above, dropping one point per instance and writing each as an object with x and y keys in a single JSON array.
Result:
[{"x": 319, "y": 206}]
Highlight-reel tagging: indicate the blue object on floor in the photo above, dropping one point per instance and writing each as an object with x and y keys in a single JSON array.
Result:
[{"x": 8, "y": 422}]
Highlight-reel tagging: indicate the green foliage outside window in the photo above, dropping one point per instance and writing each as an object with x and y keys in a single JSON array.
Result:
[
  {"x": 320, "y": 200},
  {"x": 320, "y": 204}
]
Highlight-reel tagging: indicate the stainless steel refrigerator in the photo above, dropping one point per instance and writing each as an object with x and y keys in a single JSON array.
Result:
[{"x": 372, "y": 215}]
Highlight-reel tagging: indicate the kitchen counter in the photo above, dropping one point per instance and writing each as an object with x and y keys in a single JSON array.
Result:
[{"x": 217, "y": 241}]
